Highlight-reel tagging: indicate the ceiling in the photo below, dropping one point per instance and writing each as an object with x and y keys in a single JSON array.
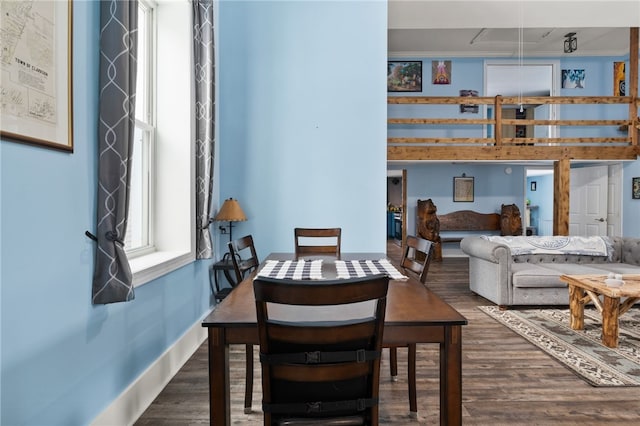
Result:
[
  {"x": 504, "y": 42},
  {"x": 490, "y": 28}
]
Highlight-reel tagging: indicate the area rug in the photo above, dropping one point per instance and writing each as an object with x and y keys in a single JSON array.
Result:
[{"x": 581, "y": 351}]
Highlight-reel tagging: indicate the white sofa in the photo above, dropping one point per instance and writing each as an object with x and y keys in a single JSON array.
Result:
[{"x": 509, "y": 279}]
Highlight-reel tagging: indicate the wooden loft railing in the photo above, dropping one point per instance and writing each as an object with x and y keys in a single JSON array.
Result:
[
  {"x": 515, "y": 148},
  {"x": 502, "y": 148},
  {"x": 560, "y": 150}
]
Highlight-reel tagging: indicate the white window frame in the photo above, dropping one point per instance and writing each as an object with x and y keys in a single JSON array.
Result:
[
  {"x": 173, "y": 196},
  {"x": 146, "y": 124}
]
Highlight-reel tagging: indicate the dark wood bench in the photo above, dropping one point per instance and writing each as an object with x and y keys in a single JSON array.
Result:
[
  {"x": 467, "y": 220},
  {"x": 430, "y": 225}
]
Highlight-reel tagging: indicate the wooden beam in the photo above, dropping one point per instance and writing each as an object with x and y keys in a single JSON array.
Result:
[
  {"x": 632, "y": 84},
  {"x": 498, "y": 114},
  {"x": 561, "y": 190},
  {"x": 509, "y": 152}
]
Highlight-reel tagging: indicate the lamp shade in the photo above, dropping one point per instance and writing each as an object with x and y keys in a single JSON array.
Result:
[{"x": 230, "y": 212}]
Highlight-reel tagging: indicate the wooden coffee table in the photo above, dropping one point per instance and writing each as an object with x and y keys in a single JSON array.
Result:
[{"x": 586, "y": 288}]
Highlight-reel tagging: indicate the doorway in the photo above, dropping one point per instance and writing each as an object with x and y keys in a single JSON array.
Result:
[
  {"x": 595, "y": 203},
  {"x": 530, "y": 78},
  {"x": 396, "y": 206},
  {"x": 595, "y": 200},
  {"x": 538, "y": 215}
]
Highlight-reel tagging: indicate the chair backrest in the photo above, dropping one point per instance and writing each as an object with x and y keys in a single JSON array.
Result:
[
  {"x": 329, "y": 241},
  {"x": 320, "y": 357},
  {"x": 243, "y": 256},
  {"x": 417, "y": 256}
]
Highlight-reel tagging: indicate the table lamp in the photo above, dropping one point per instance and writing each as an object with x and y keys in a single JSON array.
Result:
[{"x": 230, "y": 212}]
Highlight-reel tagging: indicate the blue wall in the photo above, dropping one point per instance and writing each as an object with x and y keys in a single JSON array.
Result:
[
  {"x": 303, "y": 119},
  {"x": 64, "y": 360}
]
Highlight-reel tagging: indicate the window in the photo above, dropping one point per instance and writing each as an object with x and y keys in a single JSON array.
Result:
[
  {"x": 161, "y": 227},
  {"x": 139, "y": 238}
]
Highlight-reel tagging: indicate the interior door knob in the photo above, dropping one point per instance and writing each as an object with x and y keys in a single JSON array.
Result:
[{"x": 600, "y": 220}]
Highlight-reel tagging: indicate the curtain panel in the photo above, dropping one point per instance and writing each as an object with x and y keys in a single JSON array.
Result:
[
  {"x": 112, "y": 278},
  {"x": 203, "y": 55}
]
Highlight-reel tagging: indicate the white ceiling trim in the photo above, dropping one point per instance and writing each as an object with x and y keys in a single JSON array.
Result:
[{"x": 413, "y": 14}]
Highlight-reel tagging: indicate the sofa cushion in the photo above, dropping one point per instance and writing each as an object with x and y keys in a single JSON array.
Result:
[
  {"x": 548, "y": 275},
  {"x": 530, "y": 275}
]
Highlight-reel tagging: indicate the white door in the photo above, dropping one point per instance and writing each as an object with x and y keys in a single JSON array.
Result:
[{"x": 588, "y": 201}]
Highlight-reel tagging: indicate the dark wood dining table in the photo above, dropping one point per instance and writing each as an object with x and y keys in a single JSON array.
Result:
[{"x": 414, "y": 315}]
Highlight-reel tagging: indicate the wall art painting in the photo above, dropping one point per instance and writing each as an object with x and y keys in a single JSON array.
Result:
[
  {"x": 404, "y": 76},
  {"x": 619, "y": 79},
  {"x": 470, "y": 108},
  {"x": 573, "y": 79},
  {"x": 441, "y": 72}
]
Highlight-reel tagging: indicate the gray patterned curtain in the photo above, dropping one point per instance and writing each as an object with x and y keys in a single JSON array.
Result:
[
  {"x": 203, "y": 49},
  {"x": 112, "y": 279}
]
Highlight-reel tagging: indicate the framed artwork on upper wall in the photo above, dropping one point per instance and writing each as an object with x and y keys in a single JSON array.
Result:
[
  {"x": 36, "y": 64},
  {"x": 404, "y": 76},
  {"x": 469, "y": 107},
  {"x": 441, "y": 72},
  {"x": 635, "y": 188},
  {"x": 573, "y": 79},
  {"x": 619, "y": 79}
]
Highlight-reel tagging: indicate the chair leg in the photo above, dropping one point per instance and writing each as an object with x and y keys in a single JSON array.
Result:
[
  {"x": 411, "y": 366},
  {"x": 393, "y": 363},
  {"x": 248, "y": 389}
]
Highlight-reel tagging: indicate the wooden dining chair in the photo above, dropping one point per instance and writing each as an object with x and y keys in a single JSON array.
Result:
[
  {"x": 321, "y": 370},
  {"x": 416, "y": 258},
  {"x": 245, "y": 260},
  {"x": 243, "y": 255},
  {"x": 328, "y": 242}
]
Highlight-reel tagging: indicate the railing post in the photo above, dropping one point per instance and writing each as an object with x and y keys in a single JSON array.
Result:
[
  {"x": 633, "y": 85},
  {"x": 497, "y": 127},
  {"x": 561, "y": 190}
]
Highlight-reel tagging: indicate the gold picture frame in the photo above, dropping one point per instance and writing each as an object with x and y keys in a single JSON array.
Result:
[
  {"x": 463, "y": 189},
  {"x": 36, "y": 69}
]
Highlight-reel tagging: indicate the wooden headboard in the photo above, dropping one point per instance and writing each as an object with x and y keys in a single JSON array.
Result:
[
  {"x": 429, "y": 224},
  {"x": 468, "y": 220}
]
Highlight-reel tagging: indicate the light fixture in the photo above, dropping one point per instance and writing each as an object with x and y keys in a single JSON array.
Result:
[
  {"x": 520, "y": 52},
  {"x": 570, "y": 43},
  {"x": 230, "y": 212}
]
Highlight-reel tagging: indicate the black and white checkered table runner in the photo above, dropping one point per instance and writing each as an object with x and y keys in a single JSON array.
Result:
[
  {"x": 312, "y": 269},
  {"x": 292, "y": 269},
  {"x": 362, "y": 268}
]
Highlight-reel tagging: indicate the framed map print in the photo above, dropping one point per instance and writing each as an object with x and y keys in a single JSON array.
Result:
[{"x": 35, "y": 65}]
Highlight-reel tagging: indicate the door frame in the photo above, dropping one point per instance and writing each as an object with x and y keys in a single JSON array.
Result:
[{"x": 554, "y": 84}]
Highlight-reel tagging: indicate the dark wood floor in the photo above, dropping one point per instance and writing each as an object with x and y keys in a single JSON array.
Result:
[{"x": 506, "y": 380}]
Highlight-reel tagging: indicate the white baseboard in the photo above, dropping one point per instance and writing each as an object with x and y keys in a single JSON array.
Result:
[{"x": 134, "y": 400}]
